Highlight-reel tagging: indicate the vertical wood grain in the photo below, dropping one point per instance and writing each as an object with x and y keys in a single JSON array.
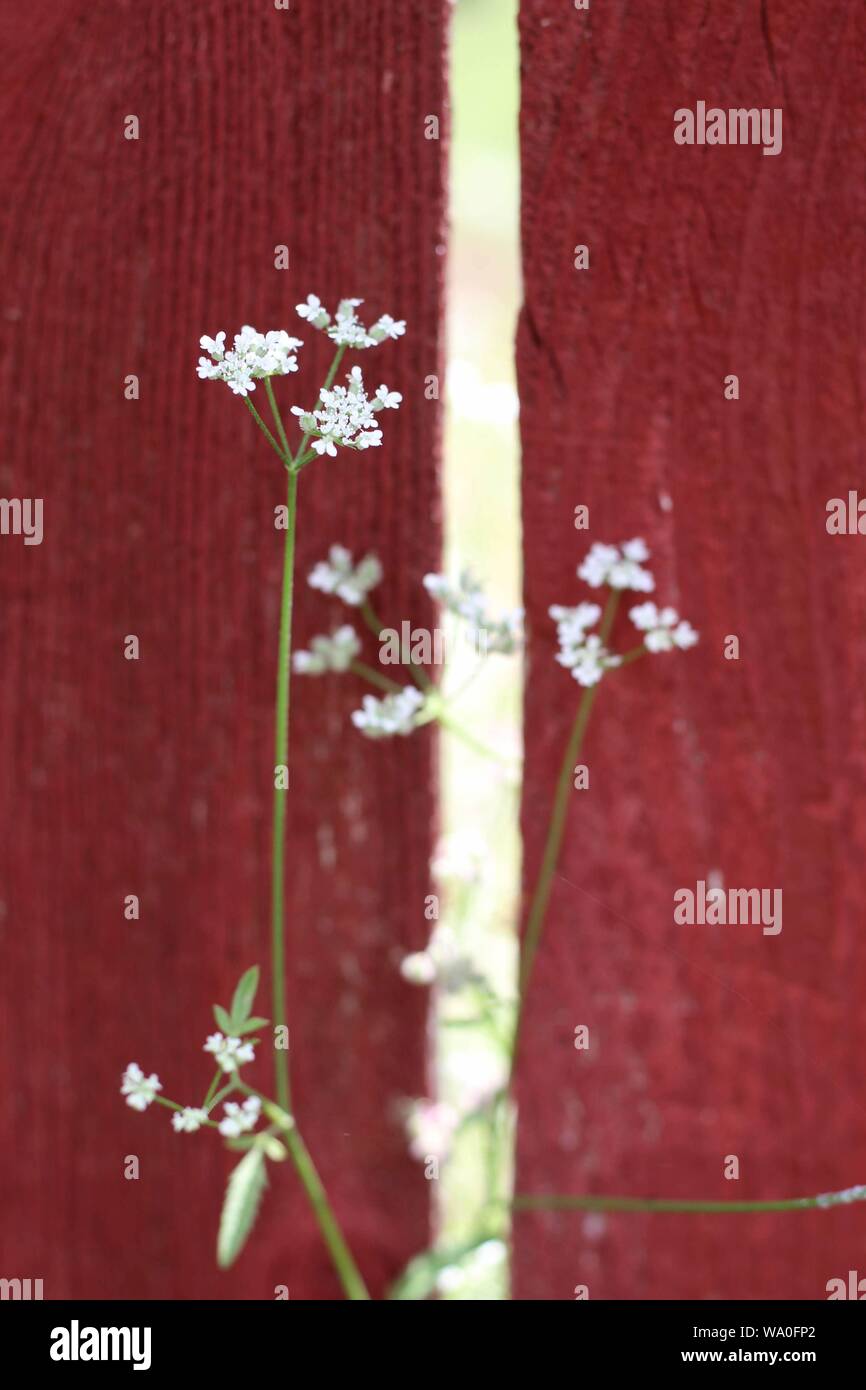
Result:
[
  {"x": 258, "y": 127},
  {"x": 703, "y": 262}
]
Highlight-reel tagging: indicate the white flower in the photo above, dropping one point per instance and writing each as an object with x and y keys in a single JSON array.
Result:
[
  {"x": 571, "y": 627},
  {"x": 460, "y": 856},
  {"x": 443, "y": 961},
  {"x": 140, "y": 1090},
  {"x": 589, "y": 662},
  {"x": 240, "y": 1118},
  {"x": 386, "y": 327},
  {"x": 344, "y": 415},
  {"x": 347, "y": 329},
  {"x": 431, "y": 1126},
  {"x": 466, "y": 600},
  {"x": 230, "y": 1053},
  {"x": 253, "y": 356},
  {"x": 387, "y": 400},
  {"x": 394, "y": 714},
  {"x": 334, "y": 653},
  {"x": 617, "y": 566},
  {"x": 314, "y": 311},
  {"x": 187, "y": 1121},
  {"x": 419, "y": 968},
  {"x": 663, "y": 628},
  {"x": 339, "y": 575}
]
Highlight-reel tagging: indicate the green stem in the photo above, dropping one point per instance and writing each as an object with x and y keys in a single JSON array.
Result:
[
  {"x": 369, "y": 673},
  {"x": 556, "y": 830},
  {"x": 281, "y": 758},
  {"x": 264, "y": 429},
  {"x": 543, "y": 1202},
  {"x": 418, "y": 674},
  {"x": 278, "y": 421},
  {"x": 348, "y": 1272}
]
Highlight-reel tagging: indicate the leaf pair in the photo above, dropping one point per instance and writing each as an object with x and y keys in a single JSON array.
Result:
[{"x": 237, "y": 1021}]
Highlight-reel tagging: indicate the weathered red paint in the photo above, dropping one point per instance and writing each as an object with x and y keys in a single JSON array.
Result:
[
  {"x": 258, "y": 127},
  {"x": 703, "y": 262}
]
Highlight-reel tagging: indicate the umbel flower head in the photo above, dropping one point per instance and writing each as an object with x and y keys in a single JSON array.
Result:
[
  {"x": 466, "y": 600},
  {"x": 346, "y": 328},
  {"x": 188, "y": 1120},
  {"x": 346, "y": 416},
  {"x": 230, "y": 1053},
  {"x": 334, "y": 653},
  {"x": 394, "y": 714},
  {"x": 140, "y": 1090},
  {"x": 618, "y": 567},
  {"x": 253, "y": 357},
  {"x": 663, "y": 628},
  {"x": 341, "y": 576}
]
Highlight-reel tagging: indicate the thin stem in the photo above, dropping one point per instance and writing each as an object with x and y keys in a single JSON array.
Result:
[
  {"x": 543, "y": 1202},
  {"x": 470, "y": 740},
  {"x": 278, "y": 421},
  {"x": 374, "y": 623},
  {"x": 264, "y": 429},
  {"x": 281, "y": 759},
  {"x": 369, "y": 673},
  {"x": 211, "y": 1088},
  {"x": 349, "y": 1275},
  {"x": 556, "y": 829}
]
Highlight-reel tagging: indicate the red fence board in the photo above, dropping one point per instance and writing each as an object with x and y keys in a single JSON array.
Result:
[
  {"x": 258, "y": 127},
  {"x": 703, "y": 262}
]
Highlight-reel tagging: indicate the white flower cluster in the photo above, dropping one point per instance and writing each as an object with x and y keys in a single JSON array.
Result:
[
  {"x": 341, "y": 576},
  {"x": 240, "y": 1118},
  {"x": 253, "y": 356},
  {"x": 346, "y": 415},
  {"x": 188, "y": 1120},
  {"x": 334, "y": 653},
  {"x": 394, "y": 714},
  {"x": 585, "y": 657},
  {"x": 347, "y": 330},
  {"x": 230, "y": 1053},
  {"x": 663, "y": 628},
  {"x": 618, "y": 566},
  {"x": 140, "y": 1090},
  {"x": 466, "y": 600}
]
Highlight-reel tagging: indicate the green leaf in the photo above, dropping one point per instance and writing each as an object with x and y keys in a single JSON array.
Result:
[
  {"x": 222, "y": 1019},
  {"x": 243, "y": 1193},
  {"x": 250, "y": 1026},
  {"x": 242, "y": 999}
]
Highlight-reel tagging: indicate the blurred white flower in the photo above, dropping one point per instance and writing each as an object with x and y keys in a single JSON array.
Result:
[
  {"x": 617, "y": 566},
  {"x": 240, "y": 1118},
  {"x": 393, "y": 714},
  {"x": 339, "y": 575},
  {"x": 253, "y": 357},
  {"x": 663, "y": 628},
  {"x": 419, "y": 968},
  {"x": 230, "y": 1053},
  {"x": 571, "y": 627},
  {"x": 430, "y": 1126},
  {"x": 187, "y": 1121},
  {"x": 140, "y": 1090},
  {"x": 460, "y": 856},
  {"x": 466, "y": 600},
  {"x": 334, "y": 653}
]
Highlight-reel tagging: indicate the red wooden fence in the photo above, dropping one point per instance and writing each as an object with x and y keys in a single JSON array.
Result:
[
  {"x": 704, "y": 262},
  {"x": 258, "y": 127}
]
